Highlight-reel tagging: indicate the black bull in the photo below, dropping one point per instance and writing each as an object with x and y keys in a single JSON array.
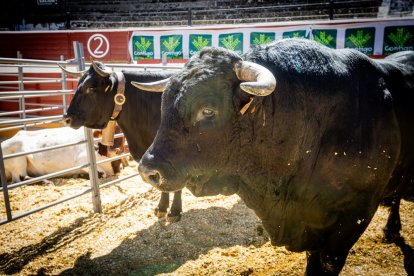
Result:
[
  {"x": 93, "y": 104},
  {"x": 314, "y": 158}
]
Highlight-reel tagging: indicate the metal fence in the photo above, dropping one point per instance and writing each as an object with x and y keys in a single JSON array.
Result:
[{"x": 13, "y": 91}]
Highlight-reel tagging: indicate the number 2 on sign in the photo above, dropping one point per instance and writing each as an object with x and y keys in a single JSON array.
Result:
[{"x": 99, "y": 49}]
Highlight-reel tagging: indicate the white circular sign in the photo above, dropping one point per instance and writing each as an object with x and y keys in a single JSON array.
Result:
[{"x": 98, "y": 45}]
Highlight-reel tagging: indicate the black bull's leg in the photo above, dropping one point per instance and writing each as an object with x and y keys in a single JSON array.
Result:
[
  {"x": 393, "y": 227},
  {"x": 331, "y": 259},
  {"x": 323, "y": 263},
  {"x": 176, "y": 207}
]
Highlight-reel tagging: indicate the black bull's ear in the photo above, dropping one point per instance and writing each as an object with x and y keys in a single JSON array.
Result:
[
  {"x": 246, "y": 106},
  {"x": 111, "y": 84},
  {"x": 244, "y": 102}
]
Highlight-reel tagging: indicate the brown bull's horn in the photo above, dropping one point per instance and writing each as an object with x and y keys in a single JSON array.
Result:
[
  {"x": 259, "y": 81},
  {"x": 75, "y": 73},
  {"x": 101, "y": 72},
  {"x": 156, "y": 86}
]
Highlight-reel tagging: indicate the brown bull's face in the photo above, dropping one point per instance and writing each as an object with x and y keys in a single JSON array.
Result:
[
  {"x": 190, "y": 148},
  {"x": 92, "y": 103}
]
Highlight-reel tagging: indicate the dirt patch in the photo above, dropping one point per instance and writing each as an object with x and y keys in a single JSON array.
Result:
[{"x": 216, "y": 236}]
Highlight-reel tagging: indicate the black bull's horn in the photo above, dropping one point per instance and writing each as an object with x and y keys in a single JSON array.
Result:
[
  {"x": 75, "y": 73},
  {"x": 105, "y": 72},
  {"x": 156, "y": 86},
  {"x": 257, "y": 80}
]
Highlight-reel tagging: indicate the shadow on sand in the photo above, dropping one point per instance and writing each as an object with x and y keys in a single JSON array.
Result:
[
  {"x": 408, "y": 252},
  {"x": 160, "y": 248}
]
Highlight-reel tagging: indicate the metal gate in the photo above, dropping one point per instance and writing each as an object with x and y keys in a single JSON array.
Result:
[{"x": 14, "y": 92}]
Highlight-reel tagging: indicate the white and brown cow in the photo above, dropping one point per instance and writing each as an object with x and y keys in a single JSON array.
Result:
[{"x": 37, "y": 164}]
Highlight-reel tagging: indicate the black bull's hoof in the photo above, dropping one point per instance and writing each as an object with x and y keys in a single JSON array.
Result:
[
  {"x": 159, "y": 214},
  {"x": 390, "y": 236},
  {"x": 171, "y": 217}
]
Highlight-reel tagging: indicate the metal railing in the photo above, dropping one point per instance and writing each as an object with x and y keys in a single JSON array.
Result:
[{"x": 24, "y": 118}]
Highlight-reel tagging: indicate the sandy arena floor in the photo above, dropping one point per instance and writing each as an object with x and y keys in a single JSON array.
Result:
[{"x": 216, "y": 236}]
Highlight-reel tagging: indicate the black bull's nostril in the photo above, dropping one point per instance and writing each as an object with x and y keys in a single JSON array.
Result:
[
  {"x": 66, "y": 119},
  {"x": 149, "y": 175}
]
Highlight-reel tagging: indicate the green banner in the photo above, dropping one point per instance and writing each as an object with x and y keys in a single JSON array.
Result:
[
  {"x": 325, "y": 37},
  {"x": 361, "y": 39},
  {"x": 398, "y": 38},
  {"x": 142, "y": 47},
  {"x": 295, "y": 34},
  {"x": 232, "y": 42},
  {"x": 261, "y": 38},
  {"x": 198, "y": 42},
  {"x": 172, "y": 45}
]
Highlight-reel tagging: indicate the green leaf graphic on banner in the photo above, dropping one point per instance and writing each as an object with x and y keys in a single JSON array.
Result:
[
  {"x": 261, "y": 38},
  {"x": 401, "y": 37},
  {"x": 198, "y": 42},
  {"x": 232, "y": 42},
  {"x": 143, "y": 47},
  {"x": 360, "y": 39},
  {"x": 295, "y": 34},
  {"x": 398, "y": 38},
  {"x": 172, "y": 45},
  {"x": 325, "y": 37}
]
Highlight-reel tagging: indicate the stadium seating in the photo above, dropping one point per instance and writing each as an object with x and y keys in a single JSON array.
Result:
[
  {"x": 170, "y": 12},
  {"x": 78, "y": 14}
]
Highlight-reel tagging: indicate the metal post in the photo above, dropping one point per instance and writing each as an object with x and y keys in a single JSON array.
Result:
[
  {"x": 331, "y": 4},
  {"x": 4, "y": 185},
  {"x": 93, "y": 171},
  {"x": 189, "y": 17},
  {"x": 79, "y": 56},
  {"x": 64, "y": 87},
  {"x": 22, "y": 104},
  {"x": 164, "y": 59},
  {"x": 90, "y": 148}
]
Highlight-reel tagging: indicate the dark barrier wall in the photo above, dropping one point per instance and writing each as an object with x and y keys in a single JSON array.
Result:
[{"x": 51, "y": 45}]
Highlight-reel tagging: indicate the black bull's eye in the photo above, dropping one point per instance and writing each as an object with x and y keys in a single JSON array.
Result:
[{"x": 208, "y": 112}]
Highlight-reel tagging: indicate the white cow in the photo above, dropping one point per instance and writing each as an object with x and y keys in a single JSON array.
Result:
[{"x": 37, "y": 164}]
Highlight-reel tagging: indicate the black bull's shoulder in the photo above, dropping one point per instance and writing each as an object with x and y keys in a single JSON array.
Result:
[{"x": 314, "y": 159}]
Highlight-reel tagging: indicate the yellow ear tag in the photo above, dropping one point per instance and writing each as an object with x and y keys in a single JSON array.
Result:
[
  {"x": 107, "y": 88},
  {"x": 246, "y": 106}
]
